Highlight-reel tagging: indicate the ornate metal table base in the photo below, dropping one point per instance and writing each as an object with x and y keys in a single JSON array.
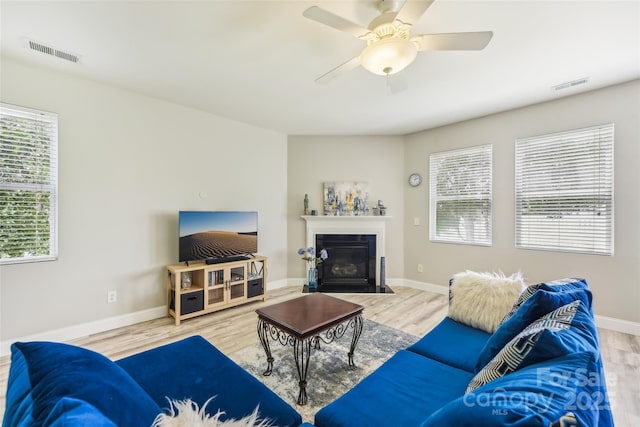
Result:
[{"x": 302, "y": 347}]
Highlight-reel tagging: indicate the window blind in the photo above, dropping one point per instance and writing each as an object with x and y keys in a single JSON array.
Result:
[
  {"x": 564, "y": 191},
  {"x": 28, "y": 184},
  {"x": 460, "y": 196}
]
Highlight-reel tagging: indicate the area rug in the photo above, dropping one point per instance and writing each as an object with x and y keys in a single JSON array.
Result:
[{"x": 329, "y": 376}]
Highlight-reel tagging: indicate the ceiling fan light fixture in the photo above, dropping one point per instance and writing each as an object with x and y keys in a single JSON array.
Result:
[{"x": 388, "y": 56}]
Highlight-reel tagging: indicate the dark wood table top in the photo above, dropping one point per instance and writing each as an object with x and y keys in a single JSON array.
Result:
[{"x": 308, "y": 315}]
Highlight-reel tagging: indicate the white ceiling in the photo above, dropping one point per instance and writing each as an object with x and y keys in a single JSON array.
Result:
[{"x": 256, "y": 61}]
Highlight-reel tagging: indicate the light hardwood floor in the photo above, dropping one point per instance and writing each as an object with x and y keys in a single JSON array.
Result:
[{"x": 411, "y": 310}]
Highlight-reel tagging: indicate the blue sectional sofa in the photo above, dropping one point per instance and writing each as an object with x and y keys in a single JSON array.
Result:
[
  {"x": 540, "y": 367},
  {"x": 55, "y": 384}
]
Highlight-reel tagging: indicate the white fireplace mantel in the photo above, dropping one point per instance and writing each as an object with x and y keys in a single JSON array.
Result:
[{"x": 349, "y": 225}]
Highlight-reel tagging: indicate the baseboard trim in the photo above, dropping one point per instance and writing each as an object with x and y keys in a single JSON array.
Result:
[
  {"x": 84, "y": 329},
  {"x": 618, "y": 325},
  {"x": 283, "y": 283},
  {"x": 430, "y": 287}
]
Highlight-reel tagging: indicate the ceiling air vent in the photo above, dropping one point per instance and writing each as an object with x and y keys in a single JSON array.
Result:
[
  {"x": 572, "y": 83},
  {"x": 42, "y": 48}
]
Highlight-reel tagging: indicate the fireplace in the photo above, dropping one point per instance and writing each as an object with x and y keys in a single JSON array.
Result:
[
  {"x": 350, "y": 274},
  {"x": 351, "y": 266}
]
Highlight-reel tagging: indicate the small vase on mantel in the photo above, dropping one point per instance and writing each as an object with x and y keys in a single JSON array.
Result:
[{"x": 312, "y": 278}]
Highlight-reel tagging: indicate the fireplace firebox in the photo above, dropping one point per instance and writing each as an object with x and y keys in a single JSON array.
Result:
[{"x": 351, "y": 266}]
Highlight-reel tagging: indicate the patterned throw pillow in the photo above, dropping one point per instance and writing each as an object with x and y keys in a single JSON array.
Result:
[
  {"x": 562, "y": 285},
  {"x": 539, "y": 304},
  {"x": 565, "y": 330}
]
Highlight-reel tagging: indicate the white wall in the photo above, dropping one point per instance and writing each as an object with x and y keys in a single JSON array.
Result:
[
  {"x": 128, "y": 164},
  {"x": 377, "y": 160},
  {"x": 615, "y": 280}
]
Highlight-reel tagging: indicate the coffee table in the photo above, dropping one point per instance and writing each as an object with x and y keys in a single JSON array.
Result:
[{"x": 302, "y": 323}]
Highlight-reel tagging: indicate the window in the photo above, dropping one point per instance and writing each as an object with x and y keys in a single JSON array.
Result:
[
  {"x": 564, "y": 191},
  {"x": 460, "y": 196},
  {"x": 28, "y": 185}
]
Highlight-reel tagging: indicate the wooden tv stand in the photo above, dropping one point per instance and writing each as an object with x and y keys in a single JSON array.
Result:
[{"x": 214, "y": 286}]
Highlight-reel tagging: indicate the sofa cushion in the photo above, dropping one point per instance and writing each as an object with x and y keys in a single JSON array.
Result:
[
  {"x": 440, "y": 342},
  {"x": 537, "y": 305},
  {"x": 481, "y": 300},
  {"x": 194, "y": 369},
  {"x": 45, "y": 373},
  {"x": 402, "y": 392},
  {"x": 560, "y": 286},
  {"x": 565, "y": 330},
  {"x": 536, "y": 395}
]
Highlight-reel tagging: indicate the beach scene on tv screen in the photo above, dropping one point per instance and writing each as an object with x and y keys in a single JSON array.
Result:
[{"x": 217, "y": 234}]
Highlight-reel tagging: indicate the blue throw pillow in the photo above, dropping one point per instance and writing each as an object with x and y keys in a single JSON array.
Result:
[
  {"x": 565, "y": 330},
  {"x": 562, "y": 285},
  {"x": 46, "y": 373},
  {"x": 536, "y": 395},
  {"x": 537, "y": 305}
]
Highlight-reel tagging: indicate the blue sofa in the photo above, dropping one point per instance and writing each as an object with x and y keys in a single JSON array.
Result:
[
  {"x": 55, "y": 384},
  {"x": 541, "y": 367}
]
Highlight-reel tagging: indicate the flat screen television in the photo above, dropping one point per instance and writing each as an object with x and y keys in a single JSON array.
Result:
[{"x": 214, "y": 236}]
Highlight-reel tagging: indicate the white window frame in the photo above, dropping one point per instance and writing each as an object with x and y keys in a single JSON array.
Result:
[
  {"x": 468, "y": 193},
  {"x": 564, "y": 191},
  {"x": 28, "y": 176}
]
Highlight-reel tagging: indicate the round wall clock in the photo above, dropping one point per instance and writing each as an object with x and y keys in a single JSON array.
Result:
[{"x": 415, "y": 179}]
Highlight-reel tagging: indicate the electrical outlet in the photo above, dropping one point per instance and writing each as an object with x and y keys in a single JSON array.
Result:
[
  {"x": 112, "y": 296},
  {"x": 416, "y": 221},
  {"x": 420, "y": 268}
]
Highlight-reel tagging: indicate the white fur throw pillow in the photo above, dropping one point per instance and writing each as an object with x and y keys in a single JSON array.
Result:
[
  {"x": 186, "y": 413},
  {"x": 481, "y": 300}
]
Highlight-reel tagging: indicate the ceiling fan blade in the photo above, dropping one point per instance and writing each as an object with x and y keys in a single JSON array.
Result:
[
  {"x": 397, "y": 82},
  {"x": 412, "y": 10},
  {"x": 455, "y": 41},
  {"x": 322, "y": 16},
  {"x": 339, "y": 70}
]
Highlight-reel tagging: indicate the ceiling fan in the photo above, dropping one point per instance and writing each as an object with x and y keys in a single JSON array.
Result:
[{"x": 390, "y": 46}]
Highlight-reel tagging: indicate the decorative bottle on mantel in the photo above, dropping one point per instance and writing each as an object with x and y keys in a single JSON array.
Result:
[{"x": 306, "y": 204}]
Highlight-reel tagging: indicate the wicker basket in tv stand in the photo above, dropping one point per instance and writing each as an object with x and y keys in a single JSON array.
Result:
[{"x": 214, "y": 286}]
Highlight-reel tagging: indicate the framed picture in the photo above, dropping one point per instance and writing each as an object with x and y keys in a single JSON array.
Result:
[{"x": 346, "y": 198}]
